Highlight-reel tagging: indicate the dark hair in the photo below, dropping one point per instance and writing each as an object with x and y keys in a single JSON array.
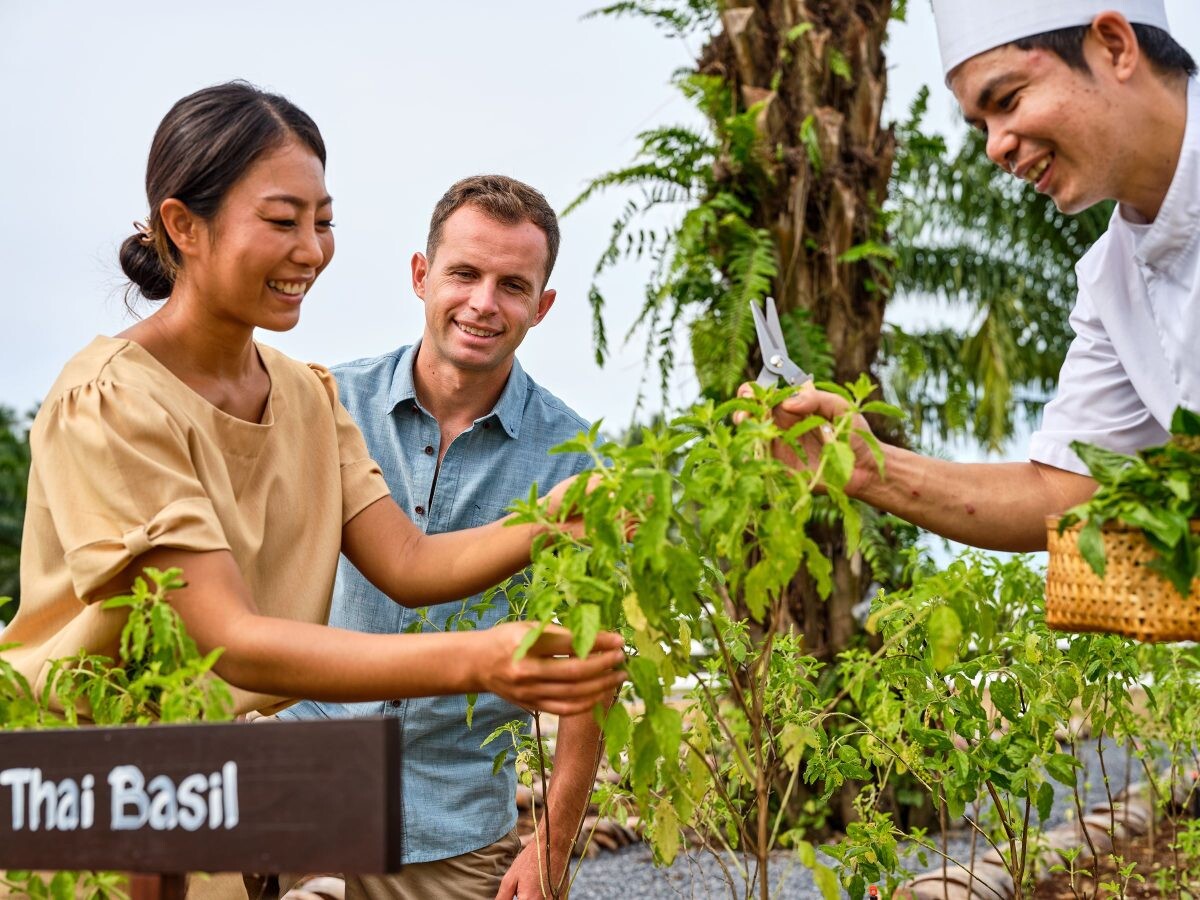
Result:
[
  {"x": 201, "y": 148},
  {"x": 499, "y": 197},
  {"x": 1162, "y": 50}
]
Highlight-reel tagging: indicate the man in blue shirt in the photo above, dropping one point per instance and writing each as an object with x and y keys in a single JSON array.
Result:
[{"x": 461, "y": 431}]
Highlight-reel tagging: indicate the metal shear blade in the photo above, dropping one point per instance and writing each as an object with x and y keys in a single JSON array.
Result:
[{"x": 776, "y": 363}]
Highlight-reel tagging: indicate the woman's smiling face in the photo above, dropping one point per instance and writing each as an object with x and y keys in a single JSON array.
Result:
[{"x": 270, "y": 239}]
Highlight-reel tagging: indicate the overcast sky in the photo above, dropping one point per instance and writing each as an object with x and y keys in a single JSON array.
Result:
[{"x": 410, "y": 97}]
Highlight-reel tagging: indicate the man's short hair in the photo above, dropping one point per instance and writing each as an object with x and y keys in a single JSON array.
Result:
[
  {"x": 499, "y": 197},
  {"x": 1162, "y": 50}
]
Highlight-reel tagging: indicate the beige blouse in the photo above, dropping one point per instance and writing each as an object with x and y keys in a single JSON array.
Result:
[{"x": 126, "y": 457}]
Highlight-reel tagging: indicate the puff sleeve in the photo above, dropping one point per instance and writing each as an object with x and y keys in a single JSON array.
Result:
[
  {"x": 362, "y": 479},
  {"x": 113, "y": 469}
]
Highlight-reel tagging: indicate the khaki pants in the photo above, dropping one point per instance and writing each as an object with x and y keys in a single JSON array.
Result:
[{"x": 472, "y": 876}]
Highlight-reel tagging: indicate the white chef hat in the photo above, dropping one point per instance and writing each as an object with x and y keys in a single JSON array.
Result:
[{"x": 967, "y": 28}]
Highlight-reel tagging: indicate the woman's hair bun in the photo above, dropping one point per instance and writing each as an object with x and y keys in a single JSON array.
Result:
[{"x": 141, "y": 263}]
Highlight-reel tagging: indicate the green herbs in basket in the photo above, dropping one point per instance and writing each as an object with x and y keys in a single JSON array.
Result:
[{"x": 1157, "y": 491}]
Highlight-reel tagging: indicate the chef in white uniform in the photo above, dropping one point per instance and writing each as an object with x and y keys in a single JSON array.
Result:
[{"x": 1086, "y": 100}]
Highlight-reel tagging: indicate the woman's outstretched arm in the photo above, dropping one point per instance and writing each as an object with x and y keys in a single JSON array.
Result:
[
  {"x": 416, "y": 569},
  {"x": 265, "y": 654}
]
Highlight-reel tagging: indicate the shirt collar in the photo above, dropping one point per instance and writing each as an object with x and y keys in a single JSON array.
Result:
[
  {"x": 403, "y": 388},
  {"x": 509, "y": 409},
  {"x": 1177, "y": 225}
]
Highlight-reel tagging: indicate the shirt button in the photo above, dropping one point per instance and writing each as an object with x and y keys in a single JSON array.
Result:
[
  {"x": 429, "y": 450},
  {"x": 487, "y": 424},
  {"x": 420, "y": 510},
  {"x": 395, "y": 704}
]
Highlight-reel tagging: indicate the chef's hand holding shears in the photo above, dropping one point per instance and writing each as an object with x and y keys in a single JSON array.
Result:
[
  {"x": 989, "y": 505},
  {"x": 808, "y": 401}
]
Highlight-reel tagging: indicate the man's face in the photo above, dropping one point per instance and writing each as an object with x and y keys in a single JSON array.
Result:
[
  {"x": 482, "y": 290},
  {"x": 1046, "y": 123}
]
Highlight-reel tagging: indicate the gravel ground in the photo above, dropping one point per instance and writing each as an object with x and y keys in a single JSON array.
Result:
[{"x": 630, "y": 874}]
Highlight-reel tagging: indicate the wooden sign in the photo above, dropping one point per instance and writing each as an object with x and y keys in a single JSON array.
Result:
[{"x": 263, "y": 798}]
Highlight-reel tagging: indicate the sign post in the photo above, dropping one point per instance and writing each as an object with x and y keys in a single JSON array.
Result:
[{"x": 172, "y": 799}]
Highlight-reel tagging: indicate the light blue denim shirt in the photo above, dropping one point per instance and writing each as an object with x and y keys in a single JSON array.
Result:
[{"x": 452, "y": 802}]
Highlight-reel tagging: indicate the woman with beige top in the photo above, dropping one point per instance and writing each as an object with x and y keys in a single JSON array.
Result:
[{"x": 183, "y": 442}]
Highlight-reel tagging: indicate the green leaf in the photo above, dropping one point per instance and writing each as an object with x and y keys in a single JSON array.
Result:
[
  {"x": 616, "y": 733},
  {"x": 1004, "y": 696},
  {"x": 1045, "y": 801},
  {"x": 945, "y": 636},
  {"x": 796, "y": 31},
  {"x": 527, "y": 642},
  {"x": 668, "y": 728},
  {"x": 880, "y": 408},
  {"x": 1185, "y": 422},
  {"x": 839, "y": 463},
  {"x": 62, "y": 886},
  {"x": 666, "y": 833},
  {"x": 1091, "y": 546},
  {"x": 866, "y": 250},
  {"x": 1061, "y": 767},
  {"x": 644, "y": 675},
  {"x": 811, "y": 144},
  {"x": 839, "y": 66},
  {"x": 827, "y": 881},
  {"x": 584, "y": 623},
  {"x": 633, "y": 612}
]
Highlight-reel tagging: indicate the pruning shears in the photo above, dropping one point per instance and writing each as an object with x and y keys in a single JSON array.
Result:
[{"x": 776, "y": 363}]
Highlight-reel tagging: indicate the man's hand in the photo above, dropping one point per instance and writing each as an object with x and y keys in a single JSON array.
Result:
[
  {"x": 809, "y": 401},
  {"x": 996, "y": 506},
  {"x": 575, "y": 756},
  {"x": 523, "y": 879}
]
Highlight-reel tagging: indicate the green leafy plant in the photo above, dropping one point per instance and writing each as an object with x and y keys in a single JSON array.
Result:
[
  {"x": 988, "y": 710},
  {"x": 725, "y": 703},
  {"x": 1156, "y": 491},
  {"x": 14, "y": 478},
  {"x": 64, "y": 885},
  {"x": 159, "y": 676}
]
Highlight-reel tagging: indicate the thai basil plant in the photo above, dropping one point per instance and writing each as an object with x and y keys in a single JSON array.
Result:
[
  {"x": 159, "y": 676},
  {"x": 692, "y": 535}
]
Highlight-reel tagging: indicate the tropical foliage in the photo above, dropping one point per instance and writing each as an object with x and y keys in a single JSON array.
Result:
[
  {"x": 14, "y": 477},
  {"x": 777, "y": 195}
]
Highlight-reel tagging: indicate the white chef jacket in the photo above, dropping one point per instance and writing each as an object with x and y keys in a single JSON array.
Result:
[{"x": 1136, "y": 352}]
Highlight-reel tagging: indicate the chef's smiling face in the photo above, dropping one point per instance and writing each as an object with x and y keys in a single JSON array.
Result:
[
  {"x": 1108, "y": 125},
  {"x": 1046, "y": 122}
]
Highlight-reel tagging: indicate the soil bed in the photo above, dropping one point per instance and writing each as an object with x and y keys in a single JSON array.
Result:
[{"x": 1150, "y": 859}]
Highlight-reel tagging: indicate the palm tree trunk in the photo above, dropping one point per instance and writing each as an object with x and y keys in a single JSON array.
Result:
[{"x": 817, "y": 70}]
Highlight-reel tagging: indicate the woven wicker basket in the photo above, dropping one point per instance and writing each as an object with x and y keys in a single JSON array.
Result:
[{"x": 1131, "y": 599}]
